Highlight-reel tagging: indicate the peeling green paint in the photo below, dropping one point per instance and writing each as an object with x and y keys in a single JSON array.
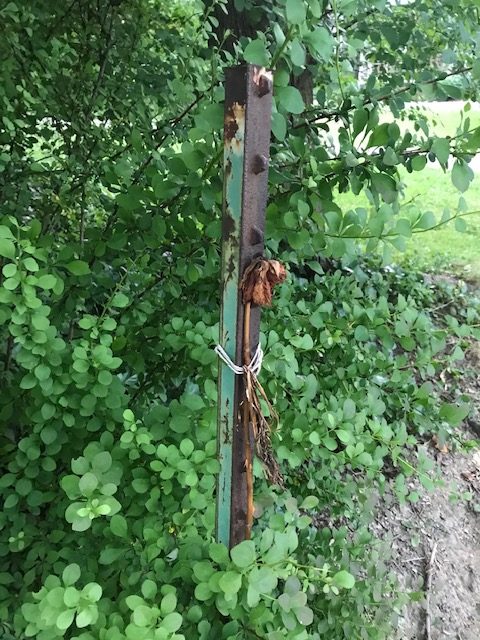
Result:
[{"x": 233, "y": 190}]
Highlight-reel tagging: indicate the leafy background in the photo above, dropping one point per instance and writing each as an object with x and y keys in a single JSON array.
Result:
[{"x": 111, "y": 146}]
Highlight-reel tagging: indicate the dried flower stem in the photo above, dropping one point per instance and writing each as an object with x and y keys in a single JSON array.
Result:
[
  {"x": 257, "y": 285},
  {"x": 247, "y": 423}
]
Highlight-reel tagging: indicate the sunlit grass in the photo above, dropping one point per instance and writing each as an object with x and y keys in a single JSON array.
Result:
[
  {"x": 432, "y": 190},
  {"x": 446, "y": 247},
  {"x": 444, "y": 118}
]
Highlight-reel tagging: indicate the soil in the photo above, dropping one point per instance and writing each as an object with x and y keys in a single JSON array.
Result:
[{"x": 446, "y": 521}]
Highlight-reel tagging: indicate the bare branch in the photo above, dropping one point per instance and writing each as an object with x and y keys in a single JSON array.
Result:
[{"x": 103, "y": 64}]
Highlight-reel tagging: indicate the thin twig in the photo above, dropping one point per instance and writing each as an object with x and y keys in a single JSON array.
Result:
[
  {"x": 282, "y": 48},
  {"x": 8, "y": 355},
  {"x": 82, "y": 218},
  {"x": 395, "y": 234},
  {"x": 59, "y": 20},
  {"x": 103, "y": 65},
  {"x": 140, "y": 170},
  {"x": 428, "y": 588},
  {"x": 335, "y": 113}
]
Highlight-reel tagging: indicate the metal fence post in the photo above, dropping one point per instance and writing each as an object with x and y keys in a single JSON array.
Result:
[{"x": 248, "y": 104}]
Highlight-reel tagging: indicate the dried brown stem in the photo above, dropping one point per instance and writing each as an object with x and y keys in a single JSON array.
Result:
[
  {"x": 248, "y": 421},
  {"x": 257, "y": 285}
]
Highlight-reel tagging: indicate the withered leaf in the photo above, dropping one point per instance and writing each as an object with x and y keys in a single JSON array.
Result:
[
  {"x": 258, "y": 281},
  {"x": 438, "y": 445}
]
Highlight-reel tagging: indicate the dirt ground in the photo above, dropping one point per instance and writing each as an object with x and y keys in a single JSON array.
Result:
[{"x": 445, "y": 521}]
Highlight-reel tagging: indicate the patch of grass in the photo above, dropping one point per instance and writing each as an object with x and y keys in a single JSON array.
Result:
[
  {"x": 432, "y": 190},
  {"x": 445, "y": 247},
  {"x": 444, "y": 118},
  {"x": 451, "y": 122}
]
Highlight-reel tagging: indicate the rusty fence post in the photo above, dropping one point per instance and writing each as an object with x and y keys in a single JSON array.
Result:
[{"x": 248, "y": 104}]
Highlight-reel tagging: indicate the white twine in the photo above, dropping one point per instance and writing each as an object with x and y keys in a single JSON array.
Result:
[{"x": 254, "y": 366}]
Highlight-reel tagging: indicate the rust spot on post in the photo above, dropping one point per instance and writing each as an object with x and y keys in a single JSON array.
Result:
[
  {"x": 228, "y": 226},
  {"x": 230, "y": 269},
  {"x": 260, "y": 163},
  {"x": 231, "y": 128},
  {"x": 233, "y": 120},
  {"x": 263, "y": 81},
  {"x": 256, "y": 236}
]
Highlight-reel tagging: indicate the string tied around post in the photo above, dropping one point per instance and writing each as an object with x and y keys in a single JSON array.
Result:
[{"x": 254, "y": 367}]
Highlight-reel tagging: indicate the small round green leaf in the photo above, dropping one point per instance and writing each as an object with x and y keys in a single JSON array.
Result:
[
  {"x": 65, "y": 619},
  {"x": 118, "y": 526},
  {"x": 78, "y": 268},
  {"x": 71, "y": 574},
  {"x": 230, "y": 582},
  {"x": 296, "y": 11},
  {"x": 172, "y": 622},
  {"x": 88, "y": 483},
  {"x": 168, "y": 604},
  {"x": 256, "y": 53},
  {"x": 243, "y": 555},
  {"x": 71, "y": 597},
  {"x": 344, "y": 579},
  {"x": 7, "y": 248},
  {"x": 290, "y": 99},
  {"x": 149, "y": 588}
]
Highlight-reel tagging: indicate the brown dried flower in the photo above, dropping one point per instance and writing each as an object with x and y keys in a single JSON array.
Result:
[{"x": 259, "y": 279}]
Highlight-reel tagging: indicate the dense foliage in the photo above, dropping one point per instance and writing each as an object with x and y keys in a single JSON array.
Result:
[{"x": 111, "y": 142}]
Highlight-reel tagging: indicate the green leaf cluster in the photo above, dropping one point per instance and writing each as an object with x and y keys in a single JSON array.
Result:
[{"x": 111, "y": 192}]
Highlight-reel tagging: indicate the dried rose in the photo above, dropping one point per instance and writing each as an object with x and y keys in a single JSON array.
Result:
[{"x": 259, "y": 279}]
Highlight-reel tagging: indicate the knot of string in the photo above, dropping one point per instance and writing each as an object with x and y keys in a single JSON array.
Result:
[{"x": 254, "y": 366}]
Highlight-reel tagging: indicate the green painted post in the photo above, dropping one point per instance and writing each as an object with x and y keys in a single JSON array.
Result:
[{"x": 248, "y": 104}]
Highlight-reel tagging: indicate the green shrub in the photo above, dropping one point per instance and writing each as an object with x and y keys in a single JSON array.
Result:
[{"x": 109, "y": 259}]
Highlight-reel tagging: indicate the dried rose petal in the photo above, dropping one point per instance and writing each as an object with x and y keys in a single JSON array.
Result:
[{"x": 259, "y": 279}]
